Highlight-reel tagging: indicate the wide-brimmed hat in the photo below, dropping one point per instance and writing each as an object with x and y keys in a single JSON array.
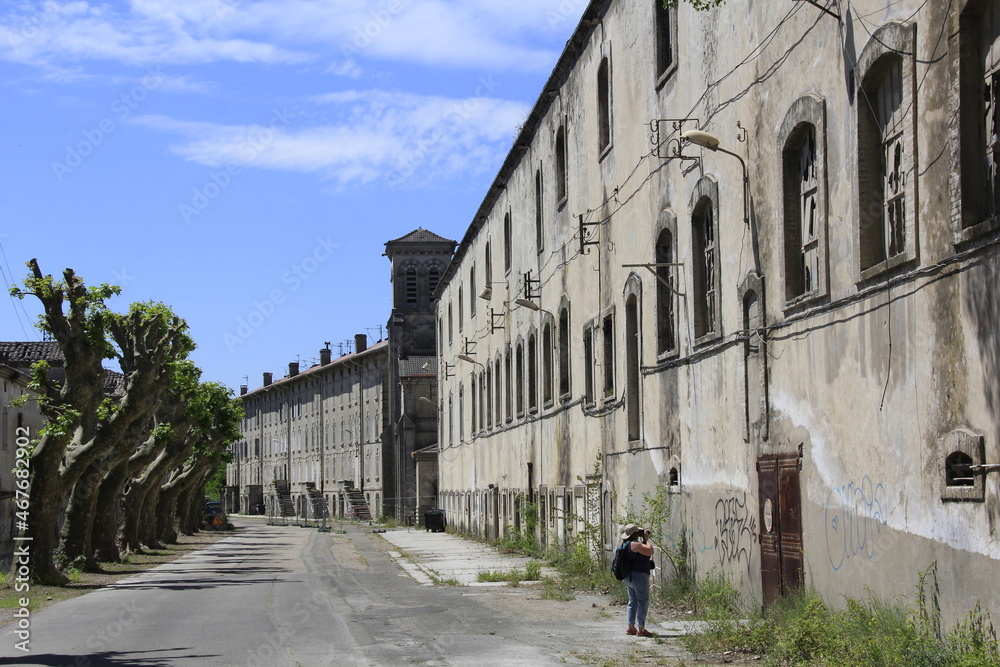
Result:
[{"x": 630, "y": 530}]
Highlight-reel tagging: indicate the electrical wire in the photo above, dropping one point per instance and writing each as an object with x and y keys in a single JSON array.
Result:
[{"x": 8, "y": 280}]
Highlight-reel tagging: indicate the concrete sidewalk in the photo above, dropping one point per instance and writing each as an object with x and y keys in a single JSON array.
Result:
[{"x": 430, "y": 557}]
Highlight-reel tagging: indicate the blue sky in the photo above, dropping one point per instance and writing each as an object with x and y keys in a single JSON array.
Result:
[{"x": 244, "y": 161}]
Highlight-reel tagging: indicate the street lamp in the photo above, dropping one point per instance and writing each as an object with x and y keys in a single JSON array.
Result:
[
  {"x": 711, "y": 142},
  {"x": 528, "y": 303}
]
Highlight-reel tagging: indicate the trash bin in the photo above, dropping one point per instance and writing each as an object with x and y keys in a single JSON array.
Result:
[{"x": 434, "y": 521}]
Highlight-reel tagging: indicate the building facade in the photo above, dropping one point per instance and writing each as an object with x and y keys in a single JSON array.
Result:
[
  {"x": 314, "y": 435},
  {"x": 20, "y": 424},
  {"x": 746, "y": 258},
  {"x": 339, "y": 438}
]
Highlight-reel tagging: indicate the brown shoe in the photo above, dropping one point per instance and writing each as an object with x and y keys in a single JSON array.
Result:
[
  {"x": 645, "y": 633},
  {"x": 630, "y": 631}
]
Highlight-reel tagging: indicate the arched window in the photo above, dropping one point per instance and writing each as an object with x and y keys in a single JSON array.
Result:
[
  {"x": 532, "y": 373},
  {"x": 473, "y": 295},
  {"x": 603, "y": 106},
  {"x": 561, "y": 188},
  {"x": 519, "y": 379},
  {"x": 666, "y": 327},
  {"x": 887, "y": 214},
  {"x": 539, "y": 223},
  {"x": 506, "y": 242},
  {"x": 508, "y": 387},
  {"x": 632, "y": 366},
  {"x": 547, "y": 364},
  {"x": 803, "y": 155},
  {"x": 498, "y": 381},
  {"x": 433, "y": 278},
  {"x": 564, "y": 386},
  {"x": 705, "y": 259},
  {"x": 410, "y": 281}
]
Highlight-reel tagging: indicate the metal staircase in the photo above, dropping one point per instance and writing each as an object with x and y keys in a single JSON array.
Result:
[
  {"x": 357, "y": 505},
  {"x": 286, "y": 508}
]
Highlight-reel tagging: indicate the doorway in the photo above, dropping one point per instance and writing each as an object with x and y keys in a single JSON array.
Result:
[{"x": 780, "y": 524}]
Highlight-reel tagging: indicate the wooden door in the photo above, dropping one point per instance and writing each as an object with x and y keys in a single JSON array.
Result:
[{"x": 780, "y": 524}]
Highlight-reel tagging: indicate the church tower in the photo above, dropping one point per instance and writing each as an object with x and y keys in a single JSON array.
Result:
[{"x": 419, "y": 259}]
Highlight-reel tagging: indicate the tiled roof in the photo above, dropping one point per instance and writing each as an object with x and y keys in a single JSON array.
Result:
[
  {"x": 421, "y": 235},
  {"x": 21, "y": 354},
  {"x": 414, "y": 367}
]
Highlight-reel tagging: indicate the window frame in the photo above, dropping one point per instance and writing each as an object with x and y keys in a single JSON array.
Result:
[
  {"x": 561, "y": 149},
  {"x": 632, "y": 347},
  {"x": 661, "y": 33},
  {"x": 666, "y": 224},
  {"x": 807, "y": 111},
  {"x": 892, "y": 42},
  {"x": 968, "y": 141},
  {"x": 605, "y": 122},
  {"x": 609, "y": 376},
  {"x": 706, "y": 192}
]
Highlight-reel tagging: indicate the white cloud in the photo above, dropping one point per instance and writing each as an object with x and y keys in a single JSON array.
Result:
[
  {"x": 367, "y": 136},
  {"x": 452, "y": 33}
]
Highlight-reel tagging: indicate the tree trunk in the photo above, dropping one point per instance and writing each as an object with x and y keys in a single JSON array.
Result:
[
  {"x": 106, "y": 520},
  {"x": 37, "y": 521},
  {"x": 78, "y": 527}
]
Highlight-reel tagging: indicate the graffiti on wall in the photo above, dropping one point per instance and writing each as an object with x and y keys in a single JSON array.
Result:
[
  {"x": 855, "y": 516},
  {"x": 737, "y": 530}
]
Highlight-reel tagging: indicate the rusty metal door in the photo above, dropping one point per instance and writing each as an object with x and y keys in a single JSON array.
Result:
[{"x": 781, "y": 524}]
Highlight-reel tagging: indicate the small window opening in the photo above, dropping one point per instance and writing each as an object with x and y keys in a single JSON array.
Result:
[{"x": 957, "y": 471}]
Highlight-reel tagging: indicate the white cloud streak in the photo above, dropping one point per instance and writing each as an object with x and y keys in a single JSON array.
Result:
[
  {"x": 451, "y": 33},
  {"x": 367, "y": 136}
]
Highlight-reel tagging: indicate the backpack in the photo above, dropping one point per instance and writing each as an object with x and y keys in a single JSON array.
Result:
[{"x": 621, "y": 566}]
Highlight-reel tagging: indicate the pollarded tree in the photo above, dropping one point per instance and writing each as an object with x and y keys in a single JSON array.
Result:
[
  {"x": 74, "y": 316},
  {"x": 148, "y": 342},
  {"x": 178, "y": 417},
  {"x": 219, "y": 428},
  {"x": 83, "y": 424}
]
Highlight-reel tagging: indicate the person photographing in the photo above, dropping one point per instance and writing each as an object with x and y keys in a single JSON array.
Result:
[{"x": 637, "y": 582}]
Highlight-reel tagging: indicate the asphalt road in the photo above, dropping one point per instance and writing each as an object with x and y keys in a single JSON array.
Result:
[{"x": 272, "y": 595}]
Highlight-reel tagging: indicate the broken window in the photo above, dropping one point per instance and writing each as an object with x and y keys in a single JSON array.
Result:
[
  {"x": 705, "y": 270},
  {"x": 890, "y": 119},
  {"x": 666, "y": 335},
  {"x": 886, "y": 236}
]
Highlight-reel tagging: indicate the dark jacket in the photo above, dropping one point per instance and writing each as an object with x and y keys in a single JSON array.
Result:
[{"x": 640, "y": 563}]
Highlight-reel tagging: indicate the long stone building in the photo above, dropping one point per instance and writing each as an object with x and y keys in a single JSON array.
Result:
[
  {"x": 747, "y": 257},
  {"x": 341, "y": 437}
]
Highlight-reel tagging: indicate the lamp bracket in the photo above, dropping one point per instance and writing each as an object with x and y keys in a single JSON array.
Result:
[
  {"x": 665, "y": 136},
  {"x": 493, "y": 320},
  {"x": 530, "y": 286},
  {"x": 585, "y": 234}
]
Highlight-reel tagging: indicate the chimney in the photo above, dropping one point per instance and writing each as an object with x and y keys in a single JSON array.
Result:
[
  {"x": 324, "y": 356},
  {"x": 267, "y": 378},
  {"x": 243, "y": 389},
  {"x": 293, "y": 368},
  {"x": 360, "y": 343}
]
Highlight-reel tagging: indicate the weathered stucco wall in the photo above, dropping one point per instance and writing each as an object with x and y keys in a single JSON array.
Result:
[{"x": 867, "y": 380}]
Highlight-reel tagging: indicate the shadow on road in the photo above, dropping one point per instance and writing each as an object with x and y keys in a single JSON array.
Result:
[{"x": 109, "y": 659}]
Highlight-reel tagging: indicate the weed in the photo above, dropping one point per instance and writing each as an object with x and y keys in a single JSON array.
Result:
[{"x": 804, "y": 629}]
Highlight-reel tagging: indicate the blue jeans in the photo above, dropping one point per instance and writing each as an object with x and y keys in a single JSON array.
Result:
[{"x": 637, "y": 584}]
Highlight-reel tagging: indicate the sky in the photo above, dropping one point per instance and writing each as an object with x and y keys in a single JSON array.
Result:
[{"x": 244, "y": 161}]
